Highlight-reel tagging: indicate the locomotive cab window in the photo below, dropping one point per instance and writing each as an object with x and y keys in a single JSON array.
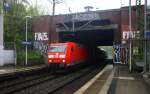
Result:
[{"x": 57, "y": 48}]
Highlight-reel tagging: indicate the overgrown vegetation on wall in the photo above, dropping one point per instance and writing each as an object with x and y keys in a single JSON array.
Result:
[{"x": 15, "y": 26}]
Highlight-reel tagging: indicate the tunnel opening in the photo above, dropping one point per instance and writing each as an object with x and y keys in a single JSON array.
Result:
[{"x": 91, "y": 35}]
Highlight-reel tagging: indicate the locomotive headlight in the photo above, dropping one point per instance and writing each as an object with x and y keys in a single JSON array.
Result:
[
  {"x": 50, "y": 56},
  {"x": 50, "y": 60},
  {"x": 64, "y": 61},
  {"x": 61, "y": 56}
]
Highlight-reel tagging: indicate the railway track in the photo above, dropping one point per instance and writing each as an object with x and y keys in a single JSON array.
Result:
[
  {"x": 54, "y": 84},
  {"x": 73, "y": 86},
  {"x": 43, "y": 83},
  {"x": 11, "y": 83}
]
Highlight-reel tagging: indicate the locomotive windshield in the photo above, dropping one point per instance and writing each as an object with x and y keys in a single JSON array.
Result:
[{"x": 59, "y": 48}]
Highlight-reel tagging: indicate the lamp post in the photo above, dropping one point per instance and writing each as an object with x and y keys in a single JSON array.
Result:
[
  {"x": 130, "y": 45},
  {"x": 26, "y": 58},
  {"x": 145, "y": 42}
]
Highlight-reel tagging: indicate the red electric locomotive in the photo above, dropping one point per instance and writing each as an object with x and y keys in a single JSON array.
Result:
[{"x": 64, "y": 55}]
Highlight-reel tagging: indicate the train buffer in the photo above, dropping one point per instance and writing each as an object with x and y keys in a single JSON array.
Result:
[{"x": 116, "y": 80}]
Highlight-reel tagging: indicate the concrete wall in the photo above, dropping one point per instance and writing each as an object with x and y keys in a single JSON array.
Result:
[{"x": 6, "y": 57}]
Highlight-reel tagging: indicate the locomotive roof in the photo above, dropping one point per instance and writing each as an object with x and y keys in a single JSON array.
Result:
[{"x": 61, "y": 43}]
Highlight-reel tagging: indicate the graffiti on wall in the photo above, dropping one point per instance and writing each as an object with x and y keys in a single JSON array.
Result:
[
  {"x": 40, "y": 46},
  {"x": 41, "y": 36},
  {"x": 39, "y": 43},
  {"x": 127, "y": 34},
  {"x": 116, "y": 54},
  {"x": 120, "y": 54}
]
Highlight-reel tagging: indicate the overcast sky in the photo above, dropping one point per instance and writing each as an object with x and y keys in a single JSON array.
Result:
[{"x": 78, "y": 5}]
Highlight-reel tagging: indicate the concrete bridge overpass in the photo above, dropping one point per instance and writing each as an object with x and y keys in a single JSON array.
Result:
[
  {"x": 115, "y": 19},
  {"x": 97, "y": 32}
]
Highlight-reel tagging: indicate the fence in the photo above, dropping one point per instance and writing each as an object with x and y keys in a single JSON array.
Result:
[
  {"x": 141, "y": 54},
  {"x": 147, "y": 55},
  {"x": 15, "y": 54},
  {"x": 8, "y": 54}
]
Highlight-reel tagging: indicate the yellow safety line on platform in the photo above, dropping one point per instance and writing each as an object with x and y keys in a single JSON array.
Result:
[
  {"x": 107, "y": 84},
  {"x": 89, "y": 83}
]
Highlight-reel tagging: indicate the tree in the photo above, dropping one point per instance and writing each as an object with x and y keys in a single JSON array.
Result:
[{"x": 14, "y": 25}]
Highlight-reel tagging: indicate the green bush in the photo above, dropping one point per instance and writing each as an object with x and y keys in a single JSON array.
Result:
[{"x": 33, "y": 56}]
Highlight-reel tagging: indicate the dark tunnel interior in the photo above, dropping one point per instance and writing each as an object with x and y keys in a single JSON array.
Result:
[{"x": 91, "y": 39}]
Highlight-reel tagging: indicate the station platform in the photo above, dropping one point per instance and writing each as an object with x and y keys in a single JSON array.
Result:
[
  {"x": 116, "y": 80},
  {"x": 11, "y": 69}
]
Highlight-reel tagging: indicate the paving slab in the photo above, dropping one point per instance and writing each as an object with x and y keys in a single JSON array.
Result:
[{"x": 125, "y": 82}]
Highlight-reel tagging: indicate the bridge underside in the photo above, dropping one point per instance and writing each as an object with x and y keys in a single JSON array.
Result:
[
  {"x": 91, "y": 33},
  {"x": 90, "y": 37}
]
